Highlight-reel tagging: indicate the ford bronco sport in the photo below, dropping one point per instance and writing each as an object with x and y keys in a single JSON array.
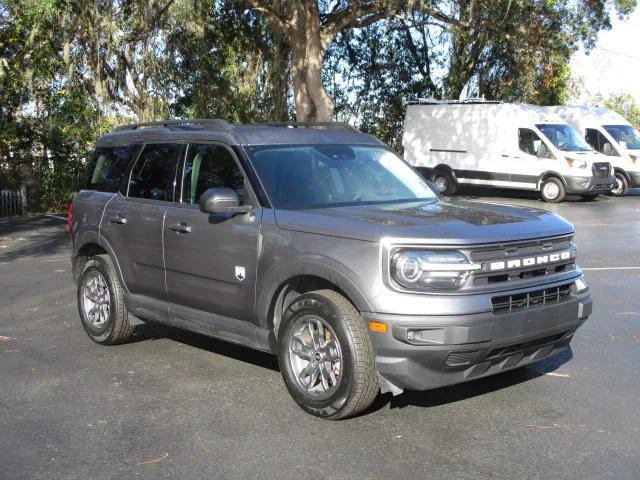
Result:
[{"x": 319, "y": 244}]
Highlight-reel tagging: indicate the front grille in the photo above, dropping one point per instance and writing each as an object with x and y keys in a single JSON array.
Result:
[
  {"x": 530, "y": 299},
  {"x": 601, "y": 169},
  {"x": 518, "y": 250},
  {"x": 524, "y": 346}
]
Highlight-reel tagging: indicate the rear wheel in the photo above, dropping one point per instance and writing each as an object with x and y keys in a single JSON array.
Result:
[
  {"x": 552, "y": 190},
  {"x": 326, "y": 356},
  {"x": 621, "y": 188},
  {"x": 101, "y": 305},
  {"x": 445, "y": 182}
]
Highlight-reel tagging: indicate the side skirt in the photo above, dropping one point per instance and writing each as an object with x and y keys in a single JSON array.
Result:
[{"x": 198, "y": 321}]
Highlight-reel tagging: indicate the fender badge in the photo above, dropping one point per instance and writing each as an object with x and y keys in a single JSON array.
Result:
[{"x": 240, "y": 273}]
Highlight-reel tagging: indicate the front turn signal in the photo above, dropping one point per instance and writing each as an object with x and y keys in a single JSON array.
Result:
[{"x": 380, "y": 327}]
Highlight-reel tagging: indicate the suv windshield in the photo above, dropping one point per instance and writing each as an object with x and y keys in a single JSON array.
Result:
[
  {"x": 314, "y": 176},
  {"x": 626, "y": 134},
  {"x": 564, "y": 138}
]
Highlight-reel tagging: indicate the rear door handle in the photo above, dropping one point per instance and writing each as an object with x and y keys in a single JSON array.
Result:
[
  {"x": 181, "y": 228},
  {"x": 117, "y": 218}
]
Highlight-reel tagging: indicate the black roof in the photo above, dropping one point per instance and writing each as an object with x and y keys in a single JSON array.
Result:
[{"x": 234, "y": 134}]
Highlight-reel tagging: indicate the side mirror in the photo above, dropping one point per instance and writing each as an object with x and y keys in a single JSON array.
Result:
[{"x": 221, "y": 200}]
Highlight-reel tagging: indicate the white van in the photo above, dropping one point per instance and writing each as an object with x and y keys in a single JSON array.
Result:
[
  {"x": 608, "y": 133},
  {"x": 502, "y": 145}
]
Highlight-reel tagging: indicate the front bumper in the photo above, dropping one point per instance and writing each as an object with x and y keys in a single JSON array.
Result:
[
  {"x": 453, "y": 349},
  {"x": 589, "y": 184}
]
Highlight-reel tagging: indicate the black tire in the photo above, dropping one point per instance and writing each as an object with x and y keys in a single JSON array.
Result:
[
  {"x": 546, "y": 190},
  {"x": 589, "y": 197},
  {"x": 622, "y": 186},
  {"x": 445, "y": 182},
  {"x": 116, "y": 327},
  {"x": 357, "y": 385}
]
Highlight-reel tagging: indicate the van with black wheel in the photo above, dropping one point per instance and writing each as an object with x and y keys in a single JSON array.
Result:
[
  {"x": 504, "y": 145},
  {"x": 611, "y": 134}
]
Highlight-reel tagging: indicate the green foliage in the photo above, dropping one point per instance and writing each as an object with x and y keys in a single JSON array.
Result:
[
  {"x": 626, "y": 106},
  {"x": 71, "y": 70}
]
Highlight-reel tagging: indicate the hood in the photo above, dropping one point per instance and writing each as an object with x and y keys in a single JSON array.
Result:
[
  {"x": 589, "y": 157},
  {"x": 443, "y": 222}
]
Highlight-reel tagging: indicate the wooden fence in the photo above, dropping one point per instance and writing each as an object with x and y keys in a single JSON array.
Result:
[{"x": 13, "y": 202}]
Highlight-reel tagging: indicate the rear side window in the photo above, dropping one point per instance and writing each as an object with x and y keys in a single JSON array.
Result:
[
  {"x": 209, "y": 166},
  {"x": 153, "y": 175},
  {"x": 108, "y": 167}
]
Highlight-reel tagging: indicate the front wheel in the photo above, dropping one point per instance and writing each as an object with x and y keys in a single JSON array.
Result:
[
  {"x": 326, "y": 356},
  {"x": 621, "y": 188},
  {"x": 552, "y": 190},
  {"x": 445, "y": 182}
]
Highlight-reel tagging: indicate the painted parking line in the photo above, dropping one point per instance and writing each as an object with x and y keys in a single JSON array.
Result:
[{"x": 610, "y": 268}]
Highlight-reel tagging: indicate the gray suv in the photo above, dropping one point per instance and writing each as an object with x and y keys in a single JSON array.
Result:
[{"x": 319, "y": 244}]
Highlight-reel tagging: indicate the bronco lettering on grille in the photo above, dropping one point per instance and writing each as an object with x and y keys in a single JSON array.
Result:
[{"x": 531, "y": 261}]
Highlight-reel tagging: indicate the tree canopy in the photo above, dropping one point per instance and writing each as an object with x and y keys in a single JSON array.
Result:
[{"x": 72, "y": 69}]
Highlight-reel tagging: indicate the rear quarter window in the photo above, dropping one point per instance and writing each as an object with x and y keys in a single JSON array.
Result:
[{"x": 108, "y": 166}]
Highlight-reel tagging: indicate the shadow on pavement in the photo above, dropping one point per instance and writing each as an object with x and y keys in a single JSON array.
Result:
[
  {"x": 429, "y": 398},
  {"x": 477, "y": 193},
  {"x": 32, "y": 236},
  {"x": 154, "y": 331}
]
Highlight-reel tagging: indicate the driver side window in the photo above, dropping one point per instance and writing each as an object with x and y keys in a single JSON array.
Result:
[
  {"x": 599, "y": 142},
  {"x": 528, "y": 141}
]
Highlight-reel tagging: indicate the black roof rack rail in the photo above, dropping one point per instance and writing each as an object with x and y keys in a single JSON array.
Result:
[
  {"x": 327, "y": 125},
  {"x": 435, "y": 101},
  {"x": 209, "y": 123}
]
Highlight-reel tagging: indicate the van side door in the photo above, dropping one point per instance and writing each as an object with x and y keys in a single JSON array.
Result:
[
  {"x": 132, "y": 223},
  {"x": 210, "y": 259}
]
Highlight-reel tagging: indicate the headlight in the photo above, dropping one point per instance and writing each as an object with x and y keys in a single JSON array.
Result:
[
  {"x": 431, "y": 270},
  {"x": 576, "y": 163}
]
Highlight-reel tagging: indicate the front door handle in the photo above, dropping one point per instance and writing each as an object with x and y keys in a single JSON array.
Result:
[
  {"x": 117, "y": 218},
  {"x": 181, "y": 228}
]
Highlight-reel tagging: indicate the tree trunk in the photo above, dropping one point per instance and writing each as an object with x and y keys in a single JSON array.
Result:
[{"x": 312, "y": 101}]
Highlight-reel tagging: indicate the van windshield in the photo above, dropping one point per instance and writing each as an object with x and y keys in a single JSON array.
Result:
[
  {"x": 315, "y": 176},
  {"x": 563, "y": 137},
  {"x": 626, "y": 134}
]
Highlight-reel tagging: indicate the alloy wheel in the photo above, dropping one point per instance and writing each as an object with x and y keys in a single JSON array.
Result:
[
  {"x": 315, "y": 356},
  {"x": 96, "y": 299}
]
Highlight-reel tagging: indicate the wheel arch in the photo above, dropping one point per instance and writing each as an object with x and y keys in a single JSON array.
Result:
[
  {"x": 284, "y": 285},
  {"x": 550, "y": 173},
  {"x": 623, "y": 172},
  {"x": 94, "y": 245}
]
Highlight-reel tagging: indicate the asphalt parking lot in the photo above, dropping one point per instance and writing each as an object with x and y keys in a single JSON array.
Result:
[{"x": 180, "y": 405}]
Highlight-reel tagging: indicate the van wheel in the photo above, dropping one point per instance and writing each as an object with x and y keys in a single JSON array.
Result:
[
  {"x": 445, "y": 182},
  {"x": 326, "y": 356},
  {"x": 552, "y": 190},
  {"x": 101, "y": 305},
  {"x": 621, "y": 188}
]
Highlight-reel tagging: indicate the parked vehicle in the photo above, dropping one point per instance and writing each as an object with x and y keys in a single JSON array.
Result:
[
  {"x": 505, "y": 145},
  {"x": 317, "y": 243},
  {"x": 610, "y": 134}
]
